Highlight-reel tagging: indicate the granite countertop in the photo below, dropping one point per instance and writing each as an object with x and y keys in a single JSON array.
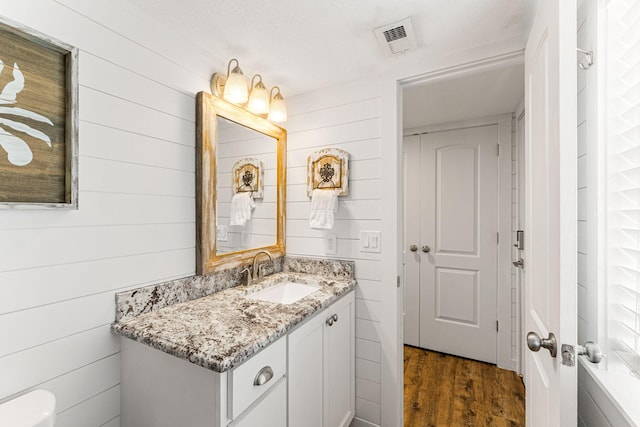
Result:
[{"x": 222, "y": 330}]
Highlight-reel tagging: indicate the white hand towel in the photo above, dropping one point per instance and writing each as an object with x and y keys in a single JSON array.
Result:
[
  {"x": 241, "y": 206},
  {"x": 324, "y": 205}
]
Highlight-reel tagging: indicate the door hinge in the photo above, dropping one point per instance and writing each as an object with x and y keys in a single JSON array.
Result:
[
  {"x": 498, "y": 150},
  {"x": 497, "y": 326},
  {"x": 497, "y": 237}
]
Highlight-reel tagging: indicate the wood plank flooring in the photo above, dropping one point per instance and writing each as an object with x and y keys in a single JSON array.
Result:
[{"x": 443, "y": 391}]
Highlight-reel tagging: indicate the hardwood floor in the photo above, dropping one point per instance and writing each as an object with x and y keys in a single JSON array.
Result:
[{"x": 442, "y": 390}]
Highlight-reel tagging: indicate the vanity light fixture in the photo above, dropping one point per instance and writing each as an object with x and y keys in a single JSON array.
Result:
[
  {"x": 278, "y": 109},
  {"x": 233, "y": 88},
  {"x": 259, "y": 97}
]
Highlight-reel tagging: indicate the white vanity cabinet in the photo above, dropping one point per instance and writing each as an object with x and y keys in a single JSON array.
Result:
[
  {"x": 321, "y": 371},
  {"x": 161, "y": 390}
]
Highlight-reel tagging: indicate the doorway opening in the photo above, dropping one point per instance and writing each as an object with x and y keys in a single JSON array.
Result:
[{"x": 460, "y": 214}]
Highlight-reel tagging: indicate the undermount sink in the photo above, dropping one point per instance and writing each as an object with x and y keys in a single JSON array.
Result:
[{"x": 285, "y": 292}]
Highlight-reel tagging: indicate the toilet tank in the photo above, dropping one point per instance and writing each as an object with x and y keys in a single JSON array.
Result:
[{"x": 34, "y": 409}]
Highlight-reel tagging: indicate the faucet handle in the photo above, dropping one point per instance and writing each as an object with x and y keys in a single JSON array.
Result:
[
  {"x": 261, "y": 268},
  {"x": 247, "y": 270}
]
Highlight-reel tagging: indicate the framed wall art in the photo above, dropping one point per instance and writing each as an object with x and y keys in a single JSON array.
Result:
[{"x": 38, "y": 120}]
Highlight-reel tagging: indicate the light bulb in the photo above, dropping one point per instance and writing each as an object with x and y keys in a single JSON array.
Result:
[
  {"x": 235, "y": 88},
  {"x": 259, "y": 97}
]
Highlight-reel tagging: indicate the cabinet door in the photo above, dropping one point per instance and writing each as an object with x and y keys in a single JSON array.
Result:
[
  {"x": 270, "y": 412},
  {"x": 305, "y": 373},
  {"x": 339, "y": 363}
]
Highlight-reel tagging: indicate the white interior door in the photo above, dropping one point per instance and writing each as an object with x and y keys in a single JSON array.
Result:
[
  {"x": 550, "y": 242},
  {"x": 411, "y": 161},
  {"x": 459, "y": 224}
]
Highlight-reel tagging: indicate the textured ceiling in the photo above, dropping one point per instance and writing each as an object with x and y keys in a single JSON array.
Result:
[{"x": 303, "y": 45}]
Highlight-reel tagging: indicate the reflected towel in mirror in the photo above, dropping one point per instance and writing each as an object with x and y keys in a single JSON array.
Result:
[
  {"x": 241, "y": 206},
  {"x": 324, "y": 205}
]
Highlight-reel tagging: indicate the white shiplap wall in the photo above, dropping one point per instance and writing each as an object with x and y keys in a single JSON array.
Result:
[
  {"x": 346, "y": 117},
  {"x": 59, "y": 269}
]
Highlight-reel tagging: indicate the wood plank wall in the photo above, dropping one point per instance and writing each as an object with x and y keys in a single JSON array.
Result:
[
  {"x": 346, "y": 117},
  {"x": 59, "y": 270}
]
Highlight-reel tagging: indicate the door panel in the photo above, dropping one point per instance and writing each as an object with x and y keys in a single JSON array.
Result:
[
  {"x": 456, "y": 173},
  {"x": 459, "y": 222},
  {"x": 550, "y": 180},
  {"x": 457, "y": 295}
]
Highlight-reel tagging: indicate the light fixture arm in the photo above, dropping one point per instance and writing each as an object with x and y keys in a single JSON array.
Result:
[
  {"x": 237, "y": 67},
  {"x": 271, "y": 96},
  {"x": 259, "y": 81}
]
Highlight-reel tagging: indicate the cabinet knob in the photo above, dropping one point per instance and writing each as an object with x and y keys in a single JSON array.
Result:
[
  {"x": 335, "y": 317},
  {"x": 264, "y": 376},
  {"x": 329, "y": 321}
]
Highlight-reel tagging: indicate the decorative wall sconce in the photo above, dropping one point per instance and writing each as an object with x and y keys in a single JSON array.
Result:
[{"x": 233, "y": 88}]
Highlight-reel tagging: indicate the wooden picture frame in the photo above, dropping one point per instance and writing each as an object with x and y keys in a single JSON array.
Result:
[{"x": 38, "y": 120}]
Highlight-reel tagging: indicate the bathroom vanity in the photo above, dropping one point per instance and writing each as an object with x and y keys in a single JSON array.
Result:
[
  {"x": 236, "y": 358},
  {"x": 230, "y": 347}
]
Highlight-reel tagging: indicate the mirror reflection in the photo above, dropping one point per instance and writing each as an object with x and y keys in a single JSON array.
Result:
[
  {"x": 246, "y": 188},
  {"x": 240, "y": 185}
]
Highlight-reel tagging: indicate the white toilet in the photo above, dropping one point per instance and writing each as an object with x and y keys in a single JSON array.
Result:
[{"x": 34, "y": 409}]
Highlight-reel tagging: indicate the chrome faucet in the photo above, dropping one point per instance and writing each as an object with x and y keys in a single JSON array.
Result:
[{"x": 258, "y": 272}]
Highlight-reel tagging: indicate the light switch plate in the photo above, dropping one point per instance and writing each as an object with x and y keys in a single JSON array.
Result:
[
  {"x": 330, "y": 244},
  {"x": 221, "y": 233},
  {"x": 370, "y": 241}
]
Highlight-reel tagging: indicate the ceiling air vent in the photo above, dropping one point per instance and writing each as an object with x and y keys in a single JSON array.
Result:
[{"x": 396, "y": 38}]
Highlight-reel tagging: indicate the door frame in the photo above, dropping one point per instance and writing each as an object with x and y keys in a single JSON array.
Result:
[
  {"x": 504, "y": 122},
  {"x": 392, "y": 83}
]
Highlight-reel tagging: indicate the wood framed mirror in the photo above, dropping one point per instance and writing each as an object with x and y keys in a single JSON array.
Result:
[{"x": 228, "y": 137}]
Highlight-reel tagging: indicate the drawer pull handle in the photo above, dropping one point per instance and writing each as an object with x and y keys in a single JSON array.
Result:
[
  {"x": 264, "y": 376},
  {"x": 332, "y": 319}
]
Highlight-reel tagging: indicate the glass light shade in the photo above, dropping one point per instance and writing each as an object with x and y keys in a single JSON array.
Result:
[
  {"x": 278, "y": 109},
  {"x": 235, "y": 88},
  {"x": 259, "y": 99}
]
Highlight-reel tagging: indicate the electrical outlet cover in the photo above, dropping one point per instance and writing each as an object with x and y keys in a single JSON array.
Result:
[{"x": 330, "y": 244}]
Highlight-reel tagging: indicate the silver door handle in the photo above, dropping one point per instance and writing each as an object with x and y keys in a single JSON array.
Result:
[
  {"x": 592, "y": 350},
  {"x": 535, "y": 343},
  {"x": 518, "y": 263},
  {"x": 413, "y": 248},
  {"x": 264, "y": 376},
  {"x": 426, "y": 249}
]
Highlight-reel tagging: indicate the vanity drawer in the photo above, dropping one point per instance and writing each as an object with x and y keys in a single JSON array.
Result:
[{"x": 250, "y": 380}]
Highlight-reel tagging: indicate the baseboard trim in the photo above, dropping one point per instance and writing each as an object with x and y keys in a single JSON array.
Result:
[{"x": 359, "y": 422}]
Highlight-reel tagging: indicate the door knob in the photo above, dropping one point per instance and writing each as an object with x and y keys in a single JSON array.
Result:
[
  {"x": 426, "y": 249},
  {"x": 535, "y": 343},
  {"x": 413, "y": 248},
  {"x": 592, "y": 350}
]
